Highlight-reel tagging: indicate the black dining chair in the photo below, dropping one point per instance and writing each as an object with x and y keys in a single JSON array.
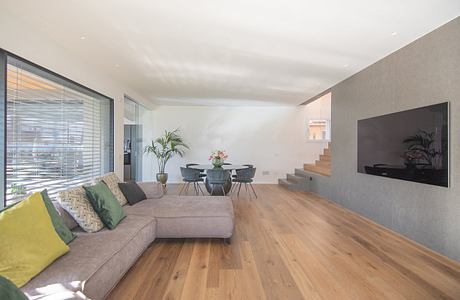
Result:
[
  {"x": 191, "y": 176},
  {"x": 217, "y": 177},
  {"x": 246, "y": 177}
]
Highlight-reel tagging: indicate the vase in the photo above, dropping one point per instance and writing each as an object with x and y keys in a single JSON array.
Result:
[
  {"x": 217, "y": 162},
  {"x": 162, "y": 177}
]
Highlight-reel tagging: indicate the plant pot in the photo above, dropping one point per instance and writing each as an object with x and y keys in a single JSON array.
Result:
[
  {"x": 217, "y": 162},
  {"x": 162, "y": 177}
]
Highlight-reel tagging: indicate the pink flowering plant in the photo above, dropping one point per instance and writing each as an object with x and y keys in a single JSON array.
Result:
[
  {"x": 218, "y": 157},
  {"x": 412, "y": 157}
]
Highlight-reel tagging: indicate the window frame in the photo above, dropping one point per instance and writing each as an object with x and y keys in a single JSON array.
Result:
[{"x": 4, "y": 54}]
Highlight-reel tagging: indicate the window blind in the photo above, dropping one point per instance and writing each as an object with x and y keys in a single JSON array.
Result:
[{"x": 59, "y": 134}]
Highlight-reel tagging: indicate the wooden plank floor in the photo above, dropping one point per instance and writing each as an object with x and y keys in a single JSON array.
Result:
[{"x": 292, "y": 245}]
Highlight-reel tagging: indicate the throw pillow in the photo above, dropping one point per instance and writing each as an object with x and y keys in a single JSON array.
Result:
[
  {"x": 75, "y": 202},
  {"x": 111, "y": 180},
  {"x": 29, "y": 242},
  {"x": 133, "y": 193},
  {"x": 105, "y": 204},
  {"x": 64, "y": 233},
  {"x": 9, "y": 291},
  {"x": 66, "y": 217}
]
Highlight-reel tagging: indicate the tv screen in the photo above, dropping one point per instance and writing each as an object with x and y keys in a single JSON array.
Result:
[{"x": 409, "y": 145}]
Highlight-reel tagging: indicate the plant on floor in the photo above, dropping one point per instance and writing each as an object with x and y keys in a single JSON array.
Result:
[
  {"x": 164, "y": 148},
  {"x": 218, "y": 157}
]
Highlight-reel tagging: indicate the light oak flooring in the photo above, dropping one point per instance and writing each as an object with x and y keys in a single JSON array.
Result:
[{"x": 292, "y": 245}]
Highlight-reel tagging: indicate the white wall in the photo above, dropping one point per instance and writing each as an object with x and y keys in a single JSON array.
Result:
[
  {"x": 274, "y": 139},
  {"x": 28, "y": 42}
]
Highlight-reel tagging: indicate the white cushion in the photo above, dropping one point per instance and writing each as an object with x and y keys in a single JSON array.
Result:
[
  {"x": 75, "y": 202},
  {"x": 111, "y": 180}
]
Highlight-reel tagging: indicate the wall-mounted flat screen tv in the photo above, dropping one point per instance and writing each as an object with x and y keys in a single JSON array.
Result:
[{"x": 409, "y": 145}]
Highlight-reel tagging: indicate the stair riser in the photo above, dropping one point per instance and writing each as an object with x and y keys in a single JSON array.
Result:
[
  {"x": 317, "y": 169},
  {"x": 301, "y": 180},
  {"x": 293, "y": 187},
  {"x": 323, "y": 157},
  {"x": 302, "y": 173},
  {"x": 314, "y": 168},
  {"x": 323, "y": 164}
]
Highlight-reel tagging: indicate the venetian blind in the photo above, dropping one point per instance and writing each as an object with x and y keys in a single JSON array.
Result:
[{"x": 59, "y": 134}]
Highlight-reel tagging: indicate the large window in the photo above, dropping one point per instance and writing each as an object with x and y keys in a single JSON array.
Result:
[{"x": 58, "y": 133}]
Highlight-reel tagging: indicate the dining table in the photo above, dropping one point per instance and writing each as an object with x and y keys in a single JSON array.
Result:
[{"x": 227, "y": 186}]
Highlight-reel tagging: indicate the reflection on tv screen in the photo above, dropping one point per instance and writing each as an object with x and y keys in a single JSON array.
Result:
[{"x": 409, "y": 145}]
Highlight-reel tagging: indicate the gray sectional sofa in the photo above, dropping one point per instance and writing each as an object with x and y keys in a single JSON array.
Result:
[{"x": 97, "y": 261}]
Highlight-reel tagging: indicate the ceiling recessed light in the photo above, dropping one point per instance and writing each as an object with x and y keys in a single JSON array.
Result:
[
  {"x": 345, "y": 65},
  {"x": 83, "y": 37},
  {"x": 117, "y": 65},
  {"x": 394, "y": 33}
]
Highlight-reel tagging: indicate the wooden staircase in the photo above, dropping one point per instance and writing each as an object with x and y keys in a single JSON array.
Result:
[
  {"x": 299, "y": 181},
  {"x": 323, "y": 165}
]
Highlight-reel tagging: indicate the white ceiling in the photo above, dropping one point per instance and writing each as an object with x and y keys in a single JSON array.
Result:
[{"x": 238, "y": 52}]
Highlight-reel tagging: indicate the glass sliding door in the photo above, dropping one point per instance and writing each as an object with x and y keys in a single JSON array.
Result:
[{"x": 133, "y": 140}]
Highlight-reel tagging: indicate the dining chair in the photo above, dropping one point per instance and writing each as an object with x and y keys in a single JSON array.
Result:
[
  {"x": 246, "y": 177},
  {"x": 246, "y": 165},
  {"x": 217, "y": 177},
  {"x": 228, "y": 164},
  {"x": 202, "y": 174},
  {"x": 191, "y": 176}
]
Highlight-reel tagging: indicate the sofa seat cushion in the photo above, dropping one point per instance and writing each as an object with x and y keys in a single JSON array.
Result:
[
  {"x": 151, "y": 189},
  {"x": 188, "y": 216},
  {"x": 95, "y": 262}
]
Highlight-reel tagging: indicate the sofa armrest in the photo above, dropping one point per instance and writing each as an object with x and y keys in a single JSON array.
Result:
[{"x": 152, "y": 189}]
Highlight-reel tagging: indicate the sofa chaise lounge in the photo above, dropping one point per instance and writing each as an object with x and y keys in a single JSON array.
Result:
[{"x": 97, "y": 261}]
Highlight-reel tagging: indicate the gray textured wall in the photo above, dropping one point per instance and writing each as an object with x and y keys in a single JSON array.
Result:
[{"x": 425, "y": 72}]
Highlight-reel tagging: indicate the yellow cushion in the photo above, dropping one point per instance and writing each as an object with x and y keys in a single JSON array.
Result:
[{"x": 28, "y": 241}]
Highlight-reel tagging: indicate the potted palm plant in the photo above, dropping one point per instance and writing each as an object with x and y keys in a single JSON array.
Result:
[
  {"x": 164, "y": 148},
  {"x": 421, "y": 146}
]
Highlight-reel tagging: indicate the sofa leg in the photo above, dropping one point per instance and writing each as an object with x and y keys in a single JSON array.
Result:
[{"x": 228, "y": 241}]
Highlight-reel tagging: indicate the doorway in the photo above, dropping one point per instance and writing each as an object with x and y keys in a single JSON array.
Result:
[{"x": 133, "y": 140}]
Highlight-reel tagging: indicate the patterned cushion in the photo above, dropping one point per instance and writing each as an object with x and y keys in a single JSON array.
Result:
[
  {"x": 75, "y": 202},
  {"x": 112, "y": 180}
]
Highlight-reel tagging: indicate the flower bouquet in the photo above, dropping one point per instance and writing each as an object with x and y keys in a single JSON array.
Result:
[{"x": 218, "y": 157}]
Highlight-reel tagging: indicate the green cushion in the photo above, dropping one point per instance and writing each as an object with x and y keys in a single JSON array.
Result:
[
  {"x": 9, "y": 291},
  {"x": 105, "y": 204},
  {"x": 63, "y": 231}
]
